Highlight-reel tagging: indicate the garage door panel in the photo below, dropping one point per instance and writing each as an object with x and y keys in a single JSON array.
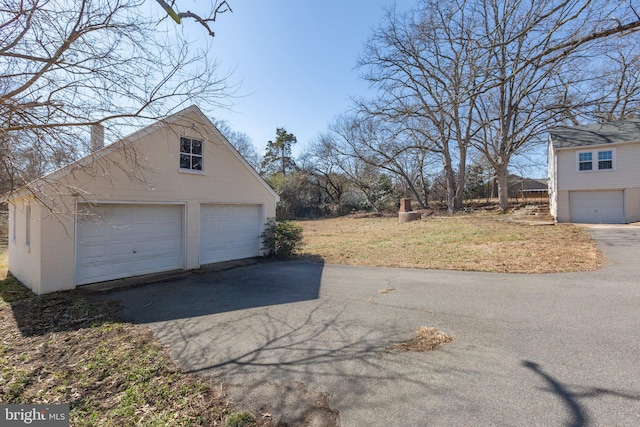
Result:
[
  {"x": 119, "y": 241},
  {"x": 597, "y": 207},
  {"x": 229, "y": 232}
]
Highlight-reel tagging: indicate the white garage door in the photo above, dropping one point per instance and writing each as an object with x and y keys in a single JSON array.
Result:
[
  {"x": 229, "y": 232},
  {"x": 597, "y": 207},
  {"x": 116, "y": 241}
]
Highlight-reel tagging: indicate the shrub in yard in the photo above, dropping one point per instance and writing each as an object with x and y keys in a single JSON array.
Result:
[{"x": 282, "y": 239}]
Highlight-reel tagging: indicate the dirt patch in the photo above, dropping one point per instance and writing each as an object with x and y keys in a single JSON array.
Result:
[{"x": 424, "y": 339}]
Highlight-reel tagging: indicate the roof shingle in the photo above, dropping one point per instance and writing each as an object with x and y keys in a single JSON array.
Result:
[{"x": 595, "y": 134}]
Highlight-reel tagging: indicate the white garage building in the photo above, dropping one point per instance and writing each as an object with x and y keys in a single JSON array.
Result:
[
  {"x": 174, "y": 195},
  {"x": 593, "y": 173}
]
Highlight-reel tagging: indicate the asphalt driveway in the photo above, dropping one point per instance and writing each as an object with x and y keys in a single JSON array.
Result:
[{"x": 309, "y": 342}]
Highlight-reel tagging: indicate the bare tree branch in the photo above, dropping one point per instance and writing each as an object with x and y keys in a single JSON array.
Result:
[
  {"x": 217, "y": 9},
  {"x": 67, "y": 65}
]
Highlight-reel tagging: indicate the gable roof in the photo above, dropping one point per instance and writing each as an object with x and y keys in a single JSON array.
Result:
[
  {"x": 596, "y": 134},
  {"x": 519, "y": 183},
  {"x": 31, "y": 187}
]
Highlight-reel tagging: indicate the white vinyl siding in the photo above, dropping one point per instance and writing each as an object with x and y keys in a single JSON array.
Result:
[
  {"x": 14, "y": 220},
  {"x": 27, "y": 241},
  {"x": 623, "y": 175},
  {"x": 229, "y": 232},
  {"x": 116, "y": 241}
]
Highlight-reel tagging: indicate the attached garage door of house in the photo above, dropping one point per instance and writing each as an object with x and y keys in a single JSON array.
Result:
[
  {"x": 116, "y": 241},
  {"x": 229, "y": 232},
  {"x": 597, "y": 207}
]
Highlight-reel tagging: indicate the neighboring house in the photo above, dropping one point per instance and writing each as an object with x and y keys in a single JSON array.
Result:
[
  {"x": 526, "y": 188},
  {"x": 520, "y": 188},
  {"x": 174, "y": 195},
  {"x": 594, "y": 174}
]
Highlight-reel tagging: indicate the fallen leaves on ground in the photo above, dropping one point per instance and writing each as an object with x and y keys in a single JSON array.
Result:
[{"x": 424, "y": 339}]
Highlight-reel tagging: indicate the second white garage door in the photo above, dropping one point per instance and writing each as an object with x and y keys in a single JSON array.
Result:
[
  {"x": 229, "y": 232},
  {"x": 597, "y": 207}
]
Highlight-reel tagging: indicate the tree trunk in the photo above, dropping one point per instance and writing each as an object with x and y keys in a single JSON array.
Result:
[
  {"x": 413, "y": 190},
  {"x": 283, "y": 161},
  {"x": 419, "y": 200},
  {"x": 462, "y": 170},
  {"x": 503, "y": 188},
  {"x": 425, "y": 189},
  {"x": 450, "y": 179},
  {"x": 367, "y": 196}
]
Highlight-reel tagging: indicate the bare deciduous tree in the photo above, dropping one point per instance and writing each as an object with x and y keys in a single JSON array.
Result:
[
  {"x": 424, "y": 63},
  {"x": 67, "y": 65},
  {"x": 381, "y": 146},
  {"x": 529, "y": 45},
  {"x": 216, "y": 8},
  {"x": 242, "y": 142},
  {"x": 496, "y": 74},
  {"x": 336, "y": 146},
  {"x": 320, "y": 162},
  {"x": 616, "y": 85}
]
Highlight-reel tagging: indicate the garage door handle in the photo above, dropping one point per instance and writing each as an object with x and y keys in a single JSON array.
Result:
[{"x": 134, "y": 251}]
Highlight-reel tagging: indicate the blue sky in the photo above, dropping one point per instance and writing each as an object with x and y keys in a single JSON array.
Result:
[{"x": 295, "y": 61}]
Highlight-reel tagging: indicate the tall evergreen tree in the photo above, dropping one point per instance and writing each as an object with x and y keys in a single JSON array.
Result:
[{"x": 277, "y": 158}]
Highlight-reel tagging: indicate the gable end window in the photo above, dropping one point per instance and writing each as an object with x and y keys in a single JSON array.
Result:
[
  {"x": 585, "y": 161},
  {"x": 190, "y": 154}
]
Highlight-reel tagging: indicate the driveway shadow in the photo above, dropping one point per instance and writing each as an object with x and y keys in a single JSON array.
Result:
[
  {"x": 570, "y": 398},
  {"x": 258, "y": 285}
]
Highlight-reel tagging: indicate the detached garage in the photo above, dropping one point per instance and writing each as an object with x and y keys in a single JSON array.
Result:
[{"x": 174, "y": 195}]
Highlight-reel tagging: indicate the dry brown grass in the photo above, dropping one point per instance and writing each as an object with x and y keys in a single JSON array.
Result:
[
  {"x": 424, "y": 339},
  {"x": 471, "y": 242},
  {"x": 4, "y": 262}
]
